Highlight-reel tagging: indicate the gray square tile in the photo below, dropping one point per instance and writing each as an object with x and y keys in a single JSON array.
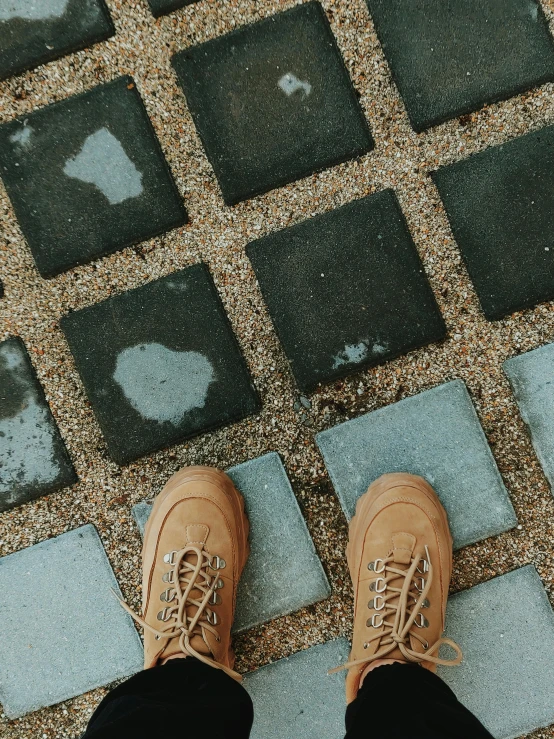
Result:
[
  {"x": 32, "y": 33},
  {"x": 62, "y": 632},
  {"x": 531, "y": 376},
  {"x": 295, "y": 697},
  {"x": 98, "y": 153},
  {"x": 437, "y": 435},
  {"x": 505, "y": 628},
  {"x": 33, "y": 457},
  {"x": 283, "y": 572}
]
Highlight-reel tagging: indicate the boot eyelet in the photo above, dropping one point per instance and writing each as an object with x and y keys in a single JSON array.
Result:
[
  {"x": 377, "y": 566},
  {"x": 424, "y": 568},
  {"x": 168, "y": 576},
  {"x": 377, "y": 603},
  {"x": 167, "y": 596},
  {"x": 376, "y": 621},
  {"x": 420, "y": 621},
  {"x": 217, "y": 563},
  {"x": 163, "y": 615},
  {"x": 215, "y": 600},
  {"x": 376, "y": 588},
  {"x": 219, "y": 584},
  {"x": 169, "y": 558},
  {"x": 419, "y": 584},
  {"x": 212, "y": 618}
]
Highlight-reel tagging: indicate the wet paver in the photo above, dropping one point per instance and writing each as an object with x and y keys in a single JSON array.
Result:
[
  {"x": 505, "y": 628},
  {"x": 161, "y": 7},
  {"x": 98, "y": 152},
  {"x": 531, "y": 376},
  {"x": 283, "y": 572},
  {"x": 437, "y": 435},
  {"x": 32, "y": 33},
  {"x": 450, "y": 58},
  {"x": 62, "y": 632},
  {"x": 500, "y": 204},
  {"x": 295, "y": 697},
  {"x": 346, "y": 290},
  {"x": 33, "y": 457},
  {"x": 273, "y": 102},
  {"x": 160, "y": 363}
]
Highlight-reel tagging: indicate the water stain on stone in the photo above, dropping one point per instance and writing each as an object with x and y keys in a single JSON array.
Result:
[
  {"x": 27, "y": 443},
  {"x": 32, "y": 10},
  {"x": 162, "y": 384},
  {"x": 104, "y": 163},
  {"x": 356, "y": 353},
  {"x": 22, "y": 136},
  {"x": 289, "y": 84}
]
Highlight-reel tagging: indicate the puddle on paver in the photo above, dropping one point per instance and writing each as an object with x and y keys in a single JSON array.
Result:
[
  {"x": 27, "y": 444},
  {"x": 22, "y": 136},
  {"x": 32, "y": 10},
  {"x": 289, "y": 84},
  {"x": 162, "y": 384},
  {"x": 356, "y": 353},
  {"x": 103, "y": 162}
]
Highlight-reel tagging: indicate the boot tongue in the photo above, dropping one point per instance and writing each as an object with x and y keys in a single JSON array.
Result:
[
  {"x": 403, "y": 548},
  {"x": 196, "y": 535},
  {"x": 403, "y": 545}
]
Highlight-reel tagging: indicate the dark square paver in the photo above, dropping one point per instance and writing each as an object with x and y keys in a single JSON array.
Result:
[
  {"x": 346, "y": 289},
  {"x": 98, "y": 153},
  {"x": 501, "y": 208},
  {"x": 160, "y": 363},
  {"x": 273, "y": 102},
  {"x": 33, "y": 457},
  {"x": 451, "y": 57},
  {"x": 33, "y": 32},
  {"x": 62, "y": 633},
  {"x": 161, "y": 7}
]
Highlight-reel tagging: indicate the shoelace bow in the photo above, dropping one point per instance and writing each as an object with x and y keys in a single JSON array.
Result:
[
  {"x": 183, "y": 578},
  {"x": 397, "y": 631}
]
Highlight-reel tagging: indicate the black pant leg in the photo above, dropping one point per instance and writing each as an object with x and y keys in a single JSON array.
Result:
[
  {"x": 184, "y": 699},
  {"x": 409, "y": 702}
]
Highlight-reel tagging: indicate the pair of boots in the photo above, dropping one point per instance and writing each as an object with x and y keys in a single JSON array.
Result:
[{"x": 196, "y": 545}]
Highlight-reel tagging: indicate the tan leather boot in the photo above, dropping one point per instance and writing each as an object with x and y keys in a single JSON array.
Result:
[
  {"x": 195, "y": 548},
  {"x": 400, "y": 559}
]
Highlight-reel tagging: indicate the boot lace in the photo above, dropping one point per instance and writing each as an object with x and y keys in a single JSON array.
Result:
[
  {"x": 194, "y": 581},
  {"x": 399, "y": 613}
]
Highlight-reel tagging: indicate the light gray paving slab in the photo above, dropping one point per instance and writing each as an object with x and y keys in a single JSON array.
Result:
[
  {"x": 62, "y": 632},
  {"x": 505, "y": 628},
  {"x": 283, "y": 572},
  {"x": 437, "y": 435},
  {"x": 295, "y": 697},
  {"x": 531, "y": 376}
]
